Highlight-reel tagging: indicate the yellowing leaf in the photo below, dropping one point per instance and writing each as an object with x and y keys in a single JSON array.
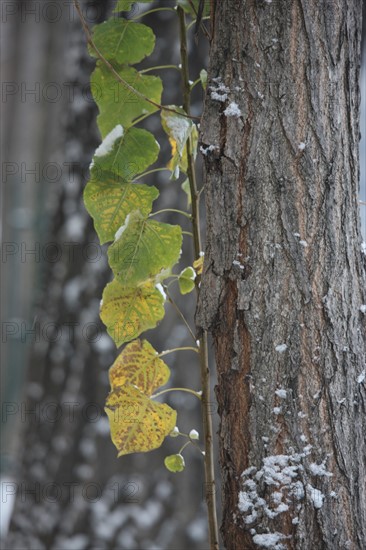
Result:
[
  {"x": 179, "y": 129},
  {"x": 198, "y": 264},
  {"x": 127, "y": 312},
  {"x": 144, "y": 249},
  {"x": 111, "y": 194},
  {"x": 110, "y": 200},
  {"x": 140, "y": 365},
  {"x": 138, "y": 424}
]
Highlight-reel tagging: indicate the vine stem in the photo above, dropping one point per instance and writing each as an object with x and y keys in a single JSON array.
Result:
[
  {"x": 171, "y": 210},
  {"x": 167, "y": 351},
  {"x": 180, "y": 313},
  {"x": 143, "y": 71},
  {"x": 151, "y": 172},
  {"x": 210, "y": 491},
  {"x": 167, "y": 390},
  {"x": 115, "y": 73}
]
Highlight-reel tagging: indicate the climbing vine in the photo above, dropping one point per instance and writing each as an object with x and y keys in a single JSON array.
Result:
[{"x": 143, "y": 253}]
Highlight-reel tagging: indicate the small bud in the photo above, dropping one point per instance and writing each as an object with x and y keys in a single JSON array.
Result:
[
  {"x": 193, "y": 434},
  {"x": 175, "y": 432}
]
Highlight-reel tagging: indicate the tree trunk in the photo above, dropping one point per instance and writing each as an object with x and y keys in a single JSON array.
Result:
[{"x": 284, "y": 278}]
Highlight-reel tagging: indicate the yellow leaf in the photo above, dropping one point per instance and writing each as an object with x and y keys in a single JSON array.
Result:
[
  {"x": 198, "y": 264},
  {"x": 127, "y": 312},
  {"x": 140, "y": 365},
  {"x": 138, "y": 424}
]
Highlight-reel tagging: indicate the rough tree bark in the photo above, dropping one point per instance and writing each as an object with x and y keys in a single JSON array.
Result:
[{"x": 284, "y": 277}]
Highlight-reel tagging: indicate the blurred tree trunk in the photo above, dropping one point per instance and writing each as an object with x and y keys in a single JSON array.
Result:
[
  {"x": 72, "y": 492},
  {"x": 284, "y": 277}
]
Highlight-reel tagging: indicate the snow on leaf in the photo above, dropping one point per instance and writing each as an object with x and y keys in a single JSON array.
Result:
[
  {"x": 179, "y": 129},
  {"x": 146, "y": 250},
  {"x": 107, "y": 144},
  {"x": 193, "y": 434},
  {"x": 111, "y": 194}
]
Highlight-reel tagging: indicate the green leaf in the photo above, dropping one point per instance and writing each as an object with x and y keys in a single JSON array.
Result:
[
  {"x": 123, "y": 41},
  {"x": 140, "y": 365},
  {"x": 174, "y": 463},
  {"x": 109, "y": 202},
  {"x": 127, "y": 312},
  {"x": 187, "y": 189},
  {"x": 119, "y": 105},
  {"x": 130, "y": 154},
  {"x": 144, "y": 249},
  {"x": 110, "y": 194},
  {"x": 138, "y": 424},
  {"x": 186, "y": 280}
]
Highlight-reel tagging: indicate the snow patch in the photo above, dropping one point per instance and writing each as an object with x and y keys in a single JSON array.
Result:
[
  {"x": 219, "y": 91},
  {"x": 363, "y": 308},
  {"x": 316, "y": 496},
  {"x": 361, "y": 377},
  {"x": 208, "y": 149},
  {"x": 269, "y": 540},
  {"x": 161, "y": 290},
  {"x": 281, "y": 348},
  {"x": 233, "y": 110},
  {"x": 281, "y": 393},
  {"x": 301, "y": 146},
  {"x": 122, "y": 228},
  {"x": 107, "y": 144},
  {"x": 319, "y": 470},
  {"x": 180, "y": 128}
]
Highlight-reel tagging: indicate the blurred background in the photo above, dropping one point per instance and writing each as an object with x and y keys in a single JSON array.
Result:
[{"x": 62, "y": 486}]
